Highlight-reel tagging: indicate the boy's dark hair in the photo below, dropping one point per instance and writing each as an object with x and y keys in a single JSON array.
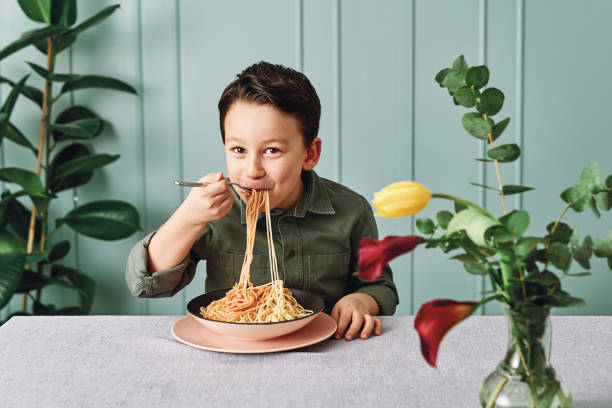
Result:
[{"x": 283, "y": 87}]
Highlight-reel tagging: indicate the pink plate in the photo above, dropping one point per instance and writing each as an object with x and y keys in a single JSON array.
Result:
[{"x": 187, "y": 330}]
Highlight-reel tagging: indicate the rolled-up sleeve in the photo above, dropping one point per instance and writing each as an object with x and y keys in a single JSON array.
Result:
[
  {"x": 383, "y": 290},
  {"x": 145, "y": 284}
]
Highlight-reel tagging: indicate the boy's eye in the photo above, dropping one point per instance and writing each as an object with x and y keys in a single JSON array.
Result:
[
  {"x": 272, "y": 150},
  {"x": 238, "y": 150}
]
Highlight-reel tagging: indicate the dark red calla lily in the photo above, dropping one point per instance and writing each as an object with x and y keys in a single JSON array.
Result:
[
  {"x": 435, "y": 319},
  {"x": 374, "y": 254}
]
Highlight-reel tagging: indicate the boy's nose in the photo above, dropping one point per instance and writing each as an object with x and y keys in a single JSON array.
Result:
[{"x": 255, "y": 170}]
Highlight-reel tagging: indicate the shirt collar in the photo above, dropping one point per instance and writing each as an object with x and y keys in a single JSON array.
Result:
[{"x": 315, "y": 199}]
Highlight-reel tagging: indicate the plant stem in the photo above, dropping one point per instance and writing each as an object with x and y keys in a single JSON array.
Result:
[
  {"x": 554, "y": 228},
  {"x": 464, "y": 202},
  {"x": 499, "y": 180},
  {"x": 500, "y": 386},
  {"x": 41, "y": 145}
]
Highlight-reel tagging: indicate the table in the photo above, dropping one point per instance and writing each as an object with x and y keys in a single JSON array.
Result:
[{"x": 133, "y": 361}]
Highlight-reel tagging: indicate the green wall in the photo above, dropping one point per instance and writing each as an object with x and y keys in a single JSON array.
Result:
[{"x": 384, "y": 118}]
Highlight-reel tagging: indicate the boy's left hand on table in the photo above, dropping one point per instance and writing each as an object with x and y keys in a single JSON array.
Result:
[{"x": 353, "y": 313}]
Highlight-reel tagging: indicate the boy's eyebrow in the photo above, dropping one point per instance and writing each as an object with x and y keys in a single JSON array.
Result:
[{"x": 264, "y": 141}]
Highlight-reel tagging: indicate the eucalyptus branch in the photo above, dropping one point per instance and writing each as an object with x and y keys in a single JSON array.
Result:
[
  {"x": 553, "y": 229},
  {"x": 497, "y": 171}
]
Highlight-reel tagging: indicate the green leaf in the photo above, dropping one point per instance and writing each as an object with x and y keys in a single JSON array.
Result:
[
  {"x": 31, "y": 280},
  {"x": 559, "y": 255},
  {"x": 474, "y": 223},
  {"x": 477, "y": 76},
  {"x": 59, "y": 250},
  {"x": 510, "y": 189},
  {"x": 87, "y": 286},
  {"x": 579, "y": 274},
  {"x": 591, "y": 177},
  {"x": 443, "y": 218},
  {"x": 459, "y": 207},
  {"x": 499, "y": 128},
  {"x": 11, "y": 266},
  {"x": 34, "y": 94},
  {"x": 106, "y": 220},
  {"x": 84, "y": 164},
  {"x": 476, "y": 125},
  {"x": 15, "y": 135},
  {"x": 51, "y": 76},
  {"x": 29, "y": 181},
  {"x": 425, "y": 225},
  {"x": 525, "y": 246},
  {"x": 603, "y": 247},
  {"x": 74, "y": 114},
  {"x": 474, "y": 267},
  {"x": 29, "y": 38},
  {"x": 505, "y": 153},
  {"x": 9, "y": 104},
  {"x": 491, "y": 101},
  {"x": 66, "y": 155},
  {"x": 454, "y": 81},
  {"x": 95, "y": 19},
  {"x": 9, "y": 243},
  {"x": 563, "y": 232},
  {"x": 441, "y": 75},
  {"x": 582, "y": 255},
  {"x": 579, "y": 195},
  {"x": 484, "y": 186},
  {"x": 18, "y": 217},
  {"x": 96, "y": 81},
  {"x": 466, "y": 96},
  {"x": 502, "y": 235},
  {"x": 63, "y": 12},
  {"x": 459, "y": 65},
  {"x": 516, "y": 222},
  {"x": 37, "y": 10},
  {"x": 79, "y": 129}
]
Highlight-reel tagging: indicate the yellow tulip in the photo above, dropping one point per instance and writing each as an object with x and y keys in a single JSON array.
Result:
[{"x": 401, "y": 199}]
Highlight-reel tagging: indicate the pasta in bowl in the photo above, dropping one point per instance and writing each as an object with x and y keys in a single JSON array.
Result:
[{"x": 311, "y": 303}]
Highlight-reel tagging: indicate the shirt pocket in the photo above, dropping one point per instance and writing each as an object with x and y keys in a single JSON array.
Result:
[
  {"x": 328, "y": 276},
  {"x": 223, "y": 270}
]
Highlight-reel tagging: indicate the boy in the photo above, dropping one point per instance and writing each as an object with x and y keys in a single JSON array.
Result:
[{"x": 269, "y": 119}]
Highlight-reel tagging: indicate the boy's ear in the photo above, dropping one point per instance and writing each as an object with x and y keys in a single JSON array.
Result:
[{"x": 313, "y": 154}]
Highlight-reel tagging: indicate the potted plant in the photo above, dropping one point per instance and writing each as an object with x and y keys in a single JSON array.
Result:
[
  {"x": 523, "y": 269},
  {"x": 29, "y": 259}
]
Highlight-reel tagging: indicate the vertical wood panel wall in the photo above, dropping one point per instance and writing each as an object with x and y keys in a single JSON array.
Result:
[{"x": 384, "y": 118}]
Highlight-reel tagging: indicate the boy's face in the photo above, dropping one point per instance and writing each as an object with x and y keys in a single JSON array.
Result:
[{"x": 264, "y": 149}]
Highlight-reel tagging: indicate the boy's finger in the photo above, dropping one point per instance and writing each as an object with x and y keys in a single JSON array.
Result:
[
  {"x": 356, "y": 324},
  {"x": 367, "y": 326},
  {"x": 211, "y": 177},
  {"x": 343, "y": 322},
  {"x": 377, "y": 326}
]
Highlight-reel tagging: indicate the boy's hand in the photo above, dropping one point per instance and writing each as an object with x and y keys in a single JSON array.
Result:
[
  {"x": 355, "y": 311},
  {"x": 209, "y": 203}
]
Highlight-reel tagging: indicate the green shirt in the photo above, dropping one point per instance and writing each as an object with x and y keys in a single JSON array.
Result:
[{"x": 316, "y": 243}]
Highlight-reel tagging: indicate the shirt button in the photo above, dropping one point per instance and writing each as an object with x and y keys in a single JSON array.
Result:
[{"x": 291, "y": 253}]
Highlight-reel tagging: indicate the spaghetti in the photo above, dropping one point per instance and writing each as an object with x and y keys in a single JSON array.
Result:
[{"x": 245, "y": 303}]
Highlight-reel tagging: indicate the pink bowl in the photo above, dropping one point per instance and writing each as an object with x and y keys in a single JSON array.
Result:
[{"x": 255, "y": 331}]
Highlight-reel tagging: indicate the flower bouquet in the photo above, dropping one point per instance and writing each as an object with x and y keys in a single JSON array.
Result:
[{"x": 523, "y": 269}]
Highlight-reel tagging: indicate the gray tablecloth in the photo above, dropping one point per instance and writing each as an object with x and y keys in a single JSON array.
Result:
[{"x": 134, "y": 361}]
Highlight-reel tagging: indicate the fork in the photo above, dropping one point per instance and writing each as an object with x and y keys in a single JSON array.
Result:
[{"x": 189, "y": 184}]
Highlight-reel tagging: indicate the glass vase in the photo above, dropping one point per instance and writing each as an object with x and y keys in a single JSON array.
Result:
[{"x": 525, "y": 378}]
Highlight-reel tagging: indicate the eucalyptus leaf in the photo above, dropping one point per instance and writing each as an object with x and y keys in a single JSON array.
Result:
[
  {"x": 454, "y": 81},
  {"x": 11, "y": 265},
  {"x": 603, "y": 247},
  {"x": 516, "y": 222},
  {"x": 582, "y": 255},
  {"x": 484, "y": 186},
  {"x": 579, "y": 195},
  {"x": 425, "y": 225},
  {"x": 563, "y": 233},
  {"x": 441, "y": 75},
  {"x": 30, "y": 38},
  {"x": 459, "y": 65},
  {"x": 474, "y": 223},
  {"x": 591, "y": 177},
  {"x": 499, "y": 128},
  {"x": 559, "y": 255},
  {"x": 474, "y": 267},
  {"x": 96, "y": 81},
  {"x": 476, "y": 125},
  {"x": 491, "y": 101},
  {"x": 526, "y": 246},
  {"x": 505, "y": 153},
  {"x": 477, "y": 76},
  {"x": 466, "y": 96},
  {"x": 443, "y": 218},
  {"x": 105, "y": 220}
]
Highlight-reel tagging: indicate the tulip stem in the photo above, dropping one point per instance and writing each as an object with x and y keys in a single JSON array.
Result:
[{"x": 464, "y": 202}]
